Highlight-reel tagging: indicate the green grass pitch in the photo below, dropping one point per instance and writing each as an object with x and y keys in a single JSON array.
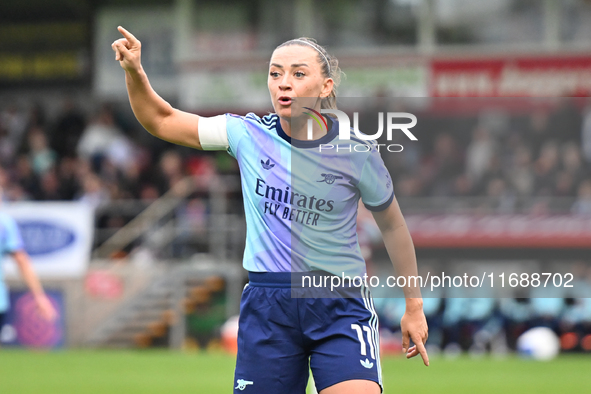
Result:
[{"x": 145, "y": 372}]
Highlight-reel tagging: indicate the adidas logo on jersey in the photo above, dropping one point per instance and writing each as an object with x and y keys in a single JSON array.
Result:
[
  {"x": 267, "y": 165},
  {"x": 366, "y": 363}
]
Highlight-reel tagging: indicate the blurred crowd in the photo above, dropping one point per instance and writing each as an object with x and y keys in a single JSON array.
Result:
[
  {"x": 106, "y": 156},
  {"x": 538, "y": 152},
  {"x": 94, "y": 157}
]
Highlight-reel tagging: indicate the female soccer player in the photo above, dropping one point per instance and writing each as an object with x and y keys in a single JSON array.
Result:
[
  {"x": 300, "y": 206},
  {"x": 12, "y": 244}
]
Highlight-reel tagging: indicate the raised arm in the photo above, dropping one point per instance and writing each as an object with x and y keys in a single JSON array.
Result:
[
  {"x": 152, "y": 111},
  {"x": 402, "y": 253}
]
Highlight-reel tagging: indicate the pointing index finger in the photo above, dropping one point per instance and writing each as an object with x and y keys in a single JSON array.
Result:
[{"x": 130, "y": 37}]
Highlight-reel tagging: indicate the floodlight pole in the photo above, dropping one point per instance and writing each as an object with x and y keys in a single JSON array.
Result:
[
  {"x": 427, "y": 35},
  {"x": 552, "y": 24}
]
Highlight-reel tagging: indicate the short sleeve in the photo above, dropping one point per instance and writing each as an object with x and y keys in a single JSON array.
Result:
[
  {"x": 375, "y": 184},
  {"x": 13, "y": 240},
  {"x": 236, "y": 129}
]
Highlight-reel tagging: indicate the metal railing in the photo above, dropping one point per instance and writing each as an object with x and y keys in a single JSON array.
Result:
[
  {"x": 165, "y": 228},
  {"x": 163, "y": 223},
  {"x": 487, "y": 205}
]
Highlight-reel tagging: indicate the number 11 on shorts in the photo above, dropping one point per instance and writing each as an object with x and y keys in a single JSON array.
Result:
[{"x": 367, "y": 330}]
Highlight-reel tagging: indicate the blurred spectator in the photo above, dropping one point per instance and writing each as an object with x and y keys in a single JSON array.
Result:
[
  {"x": 545, "y": 169},
  {"x": 521, "y": 177},
  {"x": 537, "y": 130},
  {"x": 565, "y": 121},
  {"x": 546, "y": 309},
  {"x": 14, "y": 123},
  {"x": 504, "y": 199},
  {"x": 130, "y": 180},
  {"x": 171, "y": 170},
  {"x": 36, "y": 117},
  {"x": 68, "y": 128},
  {"x": 583, "y": 204},
  {"x": 494, "y": 171},
  {"x": 3, "y": 179},
  {"x": 27, "y": 178},
  {"x": 516, "y": 312},
  {"x": 94, "y": 192},
  {"x": 192, "y": 223},
  {"x": 148, "y": 193},
  {"x": 6, "y": 148},
  {"x": 463, "y": 186},
  {"x": 444, "y": 163},
  {"x": 50, "y": 186},
  {"x": 565, "y": 184},
  {"x": 408, "y": 186},
  {"x": 572, "y": 164},
  {"x": 102, "y": 139},
  {"x": 69, "y": 184},
  {"x": 479, "y": 154},
  {"x": 42, "y": 157}
]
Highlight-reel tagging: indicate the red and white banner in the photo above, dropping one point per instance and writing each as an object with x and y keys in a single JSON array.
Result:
[
  {"x": 512, "y": 76},
  {"x": 523, "y": 231}
]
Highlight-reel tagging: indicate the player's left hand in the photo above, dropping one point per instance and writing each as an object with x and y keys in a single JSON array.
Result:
[
  {"x": 414, "y": 326},
  {"x": 46, "y": 308}
]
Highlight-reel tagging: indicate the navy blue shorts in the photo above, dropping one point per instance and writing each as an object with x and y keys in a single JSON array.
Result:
[{"x": 281, "y": 337}]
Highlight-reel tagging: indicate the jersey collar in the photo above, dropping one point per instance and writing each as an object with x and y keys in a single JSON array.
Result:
[{"x": 332, "y": 133}]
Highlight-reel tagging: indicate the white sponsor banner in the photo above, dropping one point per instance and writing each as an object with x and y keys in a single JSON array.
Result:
[
  {"x": 236, "y": 89},
  {"x": 397, "y": 80},
  {"x": 248, "y": 90},
  {"x": 57, "y": 236}
]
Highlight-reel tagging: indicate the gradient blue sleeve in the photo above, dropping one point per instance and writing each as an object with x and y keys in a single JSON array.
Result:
[
  {"x": 375, "y": 184},
  {"x": 13, "y": 240},
  {"x": 236, "y": 130}
]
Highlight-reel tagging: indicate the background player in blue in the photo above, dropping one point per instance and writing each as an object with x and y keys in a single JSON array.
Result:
[
  {"x": 280, "y": 336},
  {"x": 12, "y": 244}
]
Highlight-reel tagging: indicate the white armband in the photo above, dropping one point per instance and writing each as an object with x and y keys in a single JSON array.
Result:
[{"x": 212, "y": 133}]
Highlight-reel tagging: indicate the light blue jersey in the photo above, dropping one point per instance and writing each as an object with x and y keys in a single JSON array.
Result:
[
  {"x": 10, "y": 242},
  {"x": 301, "y": 200}
]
